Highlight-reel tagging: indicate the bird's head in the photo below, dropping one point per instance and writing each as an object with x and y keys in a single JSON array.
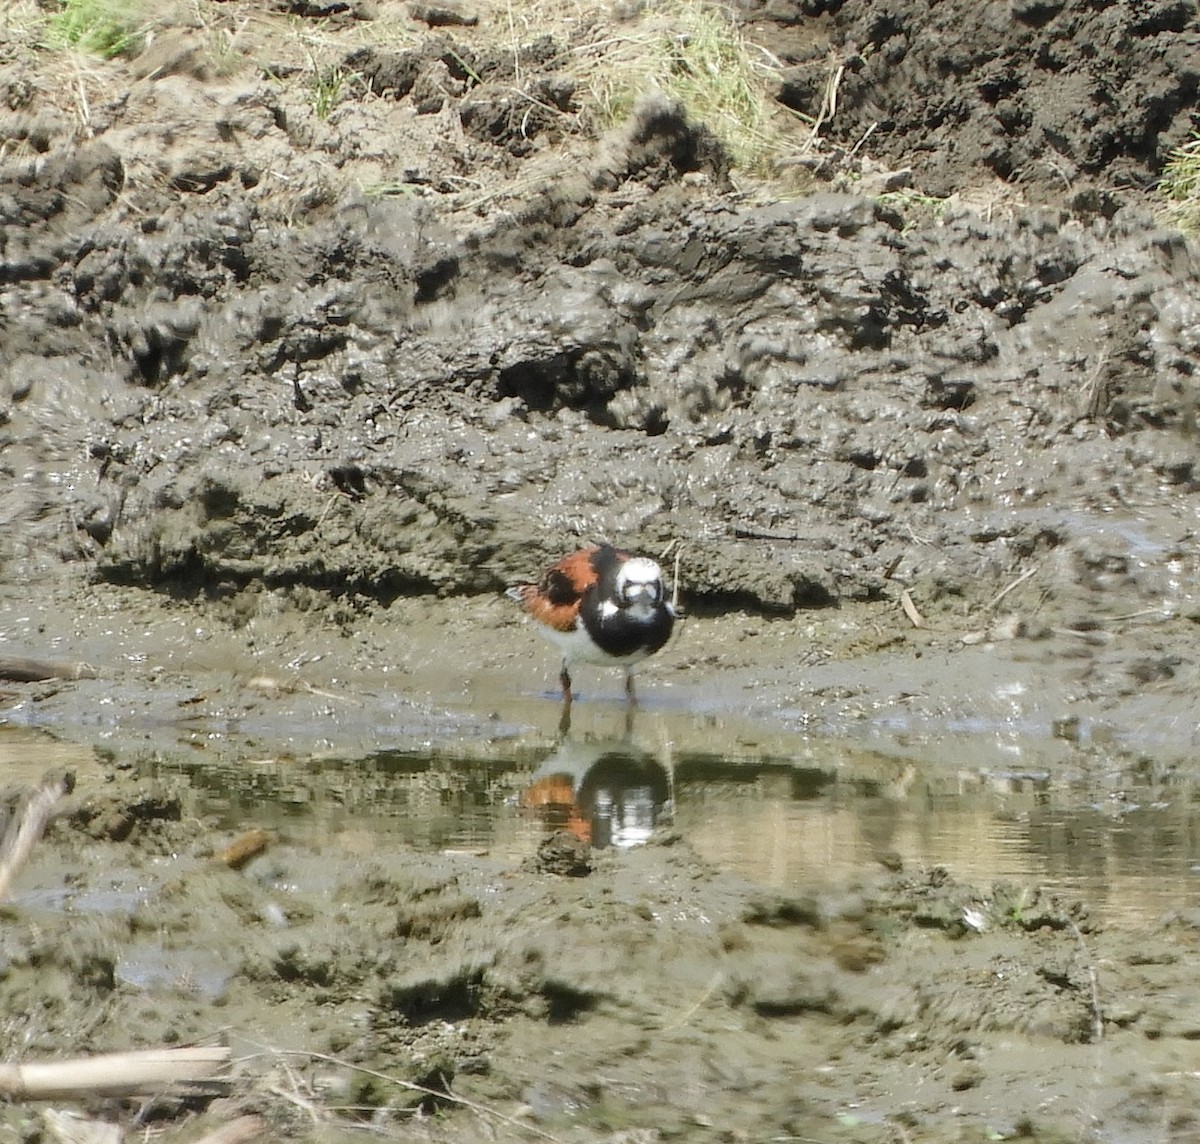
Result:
[{"x": 640, "y": 584}]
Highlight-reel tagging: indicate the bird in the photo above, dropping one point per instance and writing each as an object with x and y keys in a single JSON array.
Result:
[{"x": 601, "y": 606}]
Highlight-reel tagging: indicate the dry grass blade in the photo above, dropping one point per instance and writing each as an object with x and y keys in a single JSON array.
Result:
[
  {"x": 69, "y": 1127},
  {"x": 441, "y": 1094},
  {"x": 1097, "y": 1011},
  {"x": 910, "y": 609},
  {"x": 27, "y": 824},
  {"x": 1010, "y": 587}
]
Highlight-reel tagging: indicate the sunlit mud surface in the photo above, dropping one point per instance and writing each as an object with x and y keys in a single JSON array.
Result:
[
  {"x": 878, "y": 875},
  {"x": 900, "y": 846}
]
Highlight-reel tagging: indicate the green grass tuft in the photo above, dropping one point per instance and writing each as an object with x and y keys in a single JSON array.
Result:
[
  {"x": 1180, "y": 186},
  {"x": 328, "y": 83},
  {"x": 695, "y": 53},
  {"x": 105, "y": 28}
]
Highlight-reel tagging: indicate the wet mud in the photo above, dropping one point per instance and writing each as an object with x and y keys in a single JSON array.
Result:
[{"x": 290, "y": 392}]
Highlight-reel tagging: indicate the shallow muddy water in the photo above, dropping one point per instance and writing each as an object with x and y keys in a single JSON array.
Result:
[
  {"x": 803, "y": 810},
  {"x": 877, "y": 858}
]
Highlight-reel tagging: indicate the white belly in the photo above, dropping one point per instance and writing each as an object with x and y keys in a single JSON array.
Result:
[{"x": 576, "y": 647}]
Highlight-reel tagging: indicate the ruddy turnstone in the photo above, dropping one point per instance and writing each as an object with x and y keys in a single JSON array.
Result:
[{"x": 600, "y": 606}]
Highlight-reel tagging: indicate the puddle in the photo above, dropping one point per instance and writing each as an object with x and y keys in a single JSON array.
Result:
[
  {"x": 1121, "y": 839},
  {"x": 778, "y": 808}
]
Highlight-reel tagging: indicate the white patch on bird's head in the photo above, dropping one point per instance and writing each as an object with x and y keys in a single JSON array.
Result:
[{"x": 639, "y": 580}]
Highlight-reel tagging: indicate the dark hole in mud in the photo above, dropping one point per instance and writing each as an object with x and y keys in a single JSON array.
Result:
[
  {"x": 386, "y": 73},
  {"x": 451, "y": 996},
  {"x": 580, "y": 379},
  {"x": 864, "y": 460},
  {"x": 1037, "y": 15},
  {"x": 906, "y": 305},
  {"x": 794, "y": 999},
  {"x": 949, "y": 395},
  {"x": 309, "y": 10},
  {"x": 782, "y": 911},
  {"x": 294, "y": 964},
  {"x": 565, "y": 1002},
  {"x": 117, "y": 819},
  {"x": 436, "y": 1081},
  {"x": 220, "y": 501},
  {"x": 656, "y": 421},
  {"x": 433, "y": 281},
  {"x": 349, "y": 479},
  {"x": 159, "y": 355}
]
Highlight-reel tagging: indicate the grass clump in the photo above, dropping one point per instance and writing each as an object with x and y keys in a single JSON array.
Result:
[
  {"x": 694, "y": 53},
  {"x": 1180, "y": 186},
  {"x": 327, "y": 85},
  {"x": 105, "y": 28},
  {"x": 691, "y": 51}
]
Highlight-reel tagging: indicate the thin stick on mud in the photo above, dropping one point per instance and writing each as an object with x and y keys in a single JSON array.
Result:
[
  {"x": 112, "y": 1074},
  {"x": 24, "y": 669},
  {"x": 1009, "y": 587},
  {"x": 1097, "y": 1011},
  {"x": 27, "y": 823}
]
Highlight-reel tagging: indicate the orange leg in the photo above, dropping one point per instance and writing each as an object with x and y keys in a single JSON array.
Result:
[{"x": 564, "y": 720}]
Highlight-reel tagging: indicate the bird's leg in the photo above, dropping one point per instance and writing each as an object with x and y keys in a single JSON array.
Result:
[
  {"x": 630, "y": 694},
  {"x": 564, "y": 720}
]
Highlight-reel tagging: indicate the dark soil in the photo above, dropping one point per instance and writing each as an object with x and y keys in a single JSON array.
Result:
[{"x": 290, "y": 391}]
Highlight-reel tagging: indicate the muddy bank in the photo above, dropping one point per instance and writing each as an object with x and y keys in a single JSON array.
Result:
[
  {"x": 824, "y": 397},
  {"x": 800, "y": 393},
  {"x": 294, "y": 379},
  {"x": 652, "y": 996}
]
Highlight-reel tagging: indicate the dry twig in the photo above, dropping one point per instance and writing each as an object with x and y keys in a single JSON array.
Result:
[
  {"x": 27, "y": 823},
  {"x": 1097, "y": 1011},
  {"x": 1009, "y": 587},
  {"x": 112, "y": 1074},
  {"x": 22, "y": 669},
  {"x": 910, "y": 609},
  {"x": 437, "y": 1093}
]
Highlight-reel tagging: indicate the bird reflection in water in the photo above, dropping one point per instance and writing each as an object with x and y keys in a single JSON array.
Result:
[{"x": 606, "y": 793}]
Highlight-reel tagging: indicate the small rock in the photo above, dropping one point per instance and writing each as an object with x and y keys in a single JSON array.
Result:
[
  {"x": 969, "y": 1077},
  {"x": 442, "y": 15}
]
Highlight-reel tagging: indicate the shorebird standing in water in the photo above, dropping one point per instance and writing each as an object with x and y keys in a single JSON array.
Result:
[{"x": 601, "y": 606}]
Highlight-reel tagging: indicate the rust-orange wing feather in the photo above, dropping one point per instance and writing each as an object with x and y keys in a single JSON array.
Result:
[{"x": 554, "y": 601}]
